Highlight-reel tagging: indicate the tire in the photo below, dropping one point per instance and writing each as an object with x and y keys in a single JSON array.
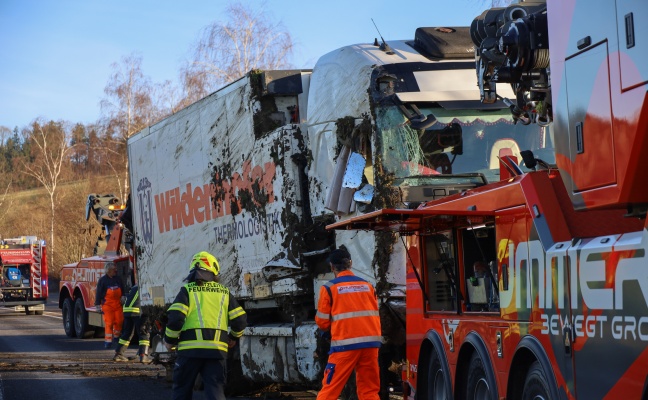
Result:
[
  {"x": 477, "y": 387},
  {"x": 536, "y": 386},
  {"x": 68, "y": 317},
  {"x": 81, "y": 328},
  {"x": 436, "y": 379}
]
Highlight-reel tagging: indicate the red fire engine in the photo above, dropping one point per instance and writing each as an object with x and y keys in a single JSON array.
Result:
[
  {"x": 23, "y": 274},
  {"x": 536, "y": 287}
]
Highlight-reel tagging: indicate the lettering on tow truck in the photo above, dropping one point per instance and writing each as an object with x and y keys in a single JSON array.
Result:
[{"x": 591, "y": 286}]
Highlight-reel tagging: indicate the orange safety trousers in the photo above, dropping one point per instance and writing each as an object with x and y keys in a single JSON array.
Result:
[
  {"x": 113, "y": 314},
  {"x": 341, "y": 365}
]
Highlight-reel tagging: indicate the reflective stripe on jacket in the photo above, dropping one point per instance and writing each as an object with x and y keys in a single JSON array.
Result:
[
  {"x": 348, "y": 308},
  {"x": 199, "y": 320},
  {"x": 131, "y": 306}
]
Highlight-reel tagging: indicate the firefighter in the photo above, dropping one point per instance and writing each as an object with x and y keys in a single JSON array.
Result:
[
  {"x": 197, "y": 324},
  {"x": 133, "y": 323},
  {"x": 348, "y": 309},
  {"x": 109, "y": 300}
]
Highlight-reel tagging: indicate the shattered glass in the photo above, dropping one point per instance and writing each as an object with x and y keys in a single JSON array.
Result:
[{"x": 402, "y": 153}]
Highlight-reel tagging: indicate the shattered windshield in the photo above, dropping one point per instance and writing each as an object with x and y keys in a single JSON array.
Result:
[{"x": 460, "y": 142}]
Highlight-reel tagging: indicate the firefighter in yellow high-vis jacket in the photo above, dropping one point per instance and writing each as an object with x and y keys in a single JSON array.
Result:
[{"x": 198, "y": 322}]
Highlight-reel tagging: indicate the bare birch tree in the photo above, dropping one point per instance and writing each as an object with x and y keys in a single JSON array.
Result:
[
  {"x": 225, "y": 51},
  {"x": 127, "y": 108},
  {"x": 5, "y": 201},
  {"x": 49, "y": 156},
  {"x": 5, "y": 173}
]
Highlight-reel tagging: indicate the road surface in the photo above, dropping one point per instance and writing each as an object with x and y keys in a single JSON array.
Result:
[{"x": 38, "y": 361}]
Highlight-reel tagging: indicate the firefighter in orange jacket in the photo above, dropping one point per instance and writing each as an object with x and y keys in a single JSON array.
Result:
[{"x": 348, "y": 308}]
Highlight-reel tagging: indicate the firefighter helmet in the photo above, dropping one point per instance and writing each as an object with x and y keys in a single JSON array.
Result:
[{"x": 204, "y": 260}]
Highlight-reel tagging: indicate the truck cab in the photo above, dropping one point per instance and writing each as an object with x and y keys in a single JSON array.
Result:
[{"x": 23, "y": 274}]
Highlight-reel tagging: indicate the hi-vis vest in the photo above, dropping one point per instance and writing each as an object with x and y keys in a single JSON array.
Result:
[
  {"x": 207, "y": 318},
  {"x": 348, "y": 307},
  {"x": 131, "y": 306}
]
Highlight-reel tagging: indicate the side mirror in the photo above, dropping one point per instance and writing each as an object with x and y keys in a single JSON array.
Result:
[
  {"x": 364, "y": 195},
  {"x": 529, "y": 159},
  {"x": 354, "y": 171}
]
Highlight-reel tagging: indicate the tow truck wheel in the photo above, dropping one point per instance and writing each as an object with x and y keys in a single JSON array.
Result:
[
  {"x": 68, "y": 319},
  {"x": 436, "y": 387},
  {"x": 535, "y": 384},
  {"x": 477, "y": 387},
  {"x": 81, "y": 320}
]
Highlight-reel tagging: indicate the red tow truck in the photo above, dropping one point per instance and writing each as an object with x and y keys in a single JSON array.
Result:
[
  {"x": 562, "y": 310},
  {"x": 79, "y": 280},
  {"x": 23, "y": 274}
]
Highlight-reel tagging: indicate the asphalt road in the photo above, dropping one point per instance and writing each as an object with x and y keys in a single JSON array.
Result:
[{"x": 38, "y": 361}]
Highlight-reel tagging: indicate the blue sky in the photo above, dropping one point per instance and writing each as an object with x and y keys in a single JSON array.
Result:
[{"x": 55, "y": 56}]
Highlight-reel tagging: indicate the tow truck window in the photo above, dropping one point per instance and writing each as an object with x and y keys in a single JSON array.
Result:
[
  {"x": 480, "y": 268},
  {"x": 440, "y": 272}
]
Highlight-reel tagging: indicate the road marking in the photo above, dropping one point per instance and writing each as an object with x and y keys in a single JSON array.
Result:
[{"x": 51, "y": 315}]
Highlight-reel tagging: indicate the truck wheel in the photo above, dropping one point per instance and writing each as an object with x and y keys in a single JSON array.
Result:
[
  {"x": 81, "y": 320},
  {"x": 68, "y": 317},
  {"x": 436, "y": 380},
  {"x": 535, "y": 384},
  {"x": 477, "y": 387}
]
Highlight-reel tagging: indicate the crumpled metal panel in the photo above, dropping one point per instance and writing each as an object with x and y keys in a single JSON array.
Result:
[
  {"x": 189, "y": 171},
  {"x": 271, "y": 353}
]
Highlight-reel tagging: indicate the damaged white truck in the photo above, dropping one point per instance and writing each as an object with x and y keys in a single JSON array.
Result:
[{"x": 254, "y": 173}]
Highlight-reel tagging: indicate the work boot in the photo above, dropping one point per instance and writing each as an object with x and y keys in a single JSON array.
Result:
[
  {"x": 143, "y": 355},
  {"x": 145, "y": 359},
  {"x": 119, "y": 354}
]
